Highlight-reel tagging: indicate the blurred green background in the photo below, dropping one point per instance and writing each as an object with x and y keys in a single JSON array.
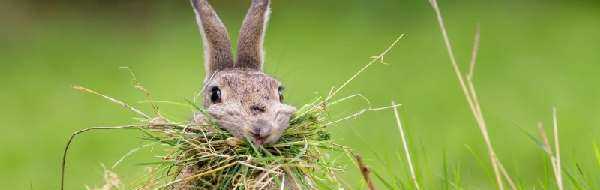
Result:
[{"x": 534, "y": 55}]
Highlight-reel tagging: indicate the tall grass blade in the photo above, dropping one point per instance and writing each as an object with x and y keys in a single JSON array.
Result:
[
  {"x": 597, "y": 153},
  {"x": 385, "y": 182},
  {"x": 573, "y": 180},
  {"x": 405, "y": 146},
  {"x": 557, "y": 163},
  {"x": 469, "y": 92}
]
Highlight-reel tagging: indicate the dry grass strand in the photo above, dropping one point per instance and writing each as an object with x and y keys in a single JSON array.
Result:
[
  {"x": 470, "y": 94},
  {"x": 405, "y": 146}
]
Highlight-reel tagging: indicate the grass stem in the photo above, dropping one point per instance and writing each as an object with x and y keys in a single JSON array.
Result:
[
  {"x": 558, "y": 172},
  {"x": 63, "y": 164},
  {"x": 365, "y": 171},
  {"x": 405, "y": 146},
  {"x": 469, "y": 92}
]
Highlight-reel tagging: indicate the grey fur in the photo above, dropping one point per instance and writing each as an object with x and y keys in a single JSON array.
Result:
[
  {"x": 215, "y": 38},
  {"x": 252, "y": 34},
  {"x": 249, "y": 105},
  {"x": 243, "y": 85},
  {"x": 242, "y": 92}
]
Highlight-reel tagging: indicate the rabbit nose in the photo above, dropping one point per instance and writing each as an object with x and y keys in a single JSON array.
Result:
[
  {"x": 258, "y": 109},
  {"x": 261, "y": 129}
]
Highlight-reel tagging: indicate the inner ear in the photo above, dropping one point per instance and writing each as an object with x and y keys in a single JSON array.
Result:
[
  {"x": 215, "y": 38},
  {"x": 252, "y": 34}
]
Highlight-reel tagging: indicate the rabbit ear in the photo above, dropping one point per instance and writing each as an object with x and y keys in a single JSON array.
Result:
[
  {"x": 252, "y": 33},
  {"x": 215, "y": 38}
]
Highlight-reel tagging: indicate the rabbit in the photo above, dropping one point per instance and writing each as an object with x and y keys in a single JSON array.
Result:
[{"x": 237, "y": 94}]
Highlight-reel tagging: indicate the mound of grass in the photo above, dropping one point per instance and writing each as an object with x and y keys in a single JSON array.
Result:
[
  {"x": 221, "y": 161},
  {"x": 214, "y": 159}
]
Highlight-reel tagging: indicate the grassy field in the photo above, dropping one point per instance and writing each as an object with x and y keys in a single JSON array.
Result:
[{"x": 534, "y": 56}]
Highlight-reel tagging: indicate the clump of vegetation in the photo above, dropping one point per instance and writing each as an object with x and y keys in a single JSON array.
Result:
[
  {"x": 225, "y": 162},
  {"x": 301, "y": 157}
]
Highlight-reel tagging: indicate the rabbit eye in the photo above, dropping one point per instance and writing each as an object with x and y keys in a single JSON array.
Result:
[
  {"x": 215, "y": 95},
  {"x": 280, "y": 90}
]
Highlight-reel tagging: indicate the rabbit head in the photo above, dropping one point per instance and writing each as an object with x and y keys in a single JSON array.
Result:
[{"x": 237, "y": 94}]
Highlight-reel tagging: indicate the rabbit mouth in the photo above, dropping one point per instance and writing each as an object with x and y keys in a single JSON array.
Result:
[
  {"x": 261, "y": 131},
  {"x": 265, "y": 140},
  {"x": 259, "y": 140}
]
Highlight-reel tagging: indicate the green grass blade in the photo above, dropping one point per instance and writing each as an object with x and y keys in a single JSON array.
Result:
[
  {"x": 573, "y": 180},
  {"x": 597, "y": 153},
  {"x": 387, "y": 184}
]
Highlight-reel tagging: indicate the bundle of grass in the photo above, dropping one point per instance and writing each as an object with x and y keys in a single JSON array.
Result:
[
  {"x": 221, "y": 161},
  {"x": 212, "y": 158},
  {"x": 218, "y": 160}
]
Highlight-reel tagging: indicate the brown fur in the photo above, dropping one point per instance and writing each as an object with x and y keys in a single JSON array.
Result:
[
  {"x": 249, "y": 98},
  {"x": 252, "y": 34},
  {"x": 217, "y": 45},
  {"x": 250, "y": 104}
]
